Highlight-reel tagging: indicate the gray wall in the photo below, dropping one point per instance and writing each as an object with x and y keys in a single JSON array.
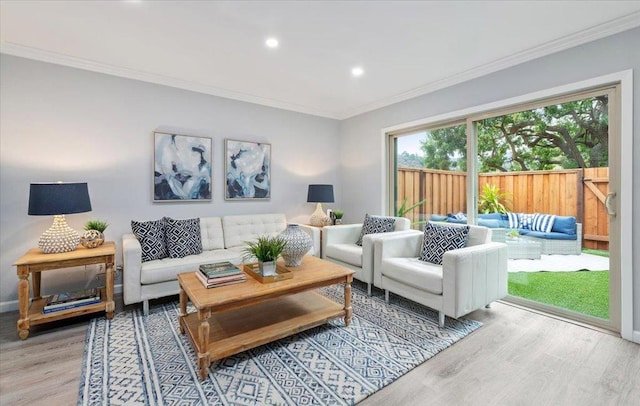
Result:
[
  {"x": 363, "y": 171},
  {"x": 59, "y": 123}
]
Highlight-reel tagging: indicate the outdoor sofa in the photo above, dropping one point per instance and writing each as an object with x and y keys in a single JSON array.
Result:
[{"x": 564, "y": 237}]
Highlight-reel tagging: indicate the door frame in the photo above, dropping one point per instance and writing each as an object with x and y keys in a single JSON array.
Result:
[{"x": 624, "y": 189}]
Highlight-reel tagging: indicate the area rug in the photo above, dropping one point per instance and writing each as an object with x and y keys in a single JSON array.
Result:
[{"x": 137, "y": 360}]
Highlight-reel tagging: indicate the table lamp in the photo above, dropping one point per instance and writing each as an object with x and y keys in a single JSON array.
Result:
[
  {"x": 319, "y": 194},
  {"x": 58, "y": 199}
]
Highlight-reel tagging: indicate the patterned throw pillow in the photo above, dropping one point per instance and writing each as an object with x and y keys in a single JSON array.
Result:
[
  {"x": 151, "y": 235},
  {"x": 440, "y": 239},
  {"x": 375, "y": 224},
  {"x": 526, "y": 220},
  {"x": 514, "y": 222},
  {"x": 183, "y": 237},
  {"x": 543, "y": 222}
]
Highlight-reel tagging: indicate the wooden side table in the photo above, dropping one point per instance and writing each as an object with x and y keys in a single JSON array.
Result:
[{"x": 35, "y": 262}]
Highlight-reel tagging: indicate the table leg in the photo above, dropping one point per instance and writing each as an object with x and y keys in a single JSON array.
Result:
[
  {"x": 23, "y": 301},
  {"x": 36, "y": 277},
  {"x": 182, "y": 313},
  {"x": 347, "y": 301},
  {"x": 110, "y": 305},
  {"x": 204, "y": 359}
]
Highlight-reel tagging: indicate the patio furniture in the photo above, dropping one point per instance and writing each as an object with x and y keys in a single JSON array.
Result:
[
  {"x": 564, "y": 238},
  {"x": 523, "y": 248}
]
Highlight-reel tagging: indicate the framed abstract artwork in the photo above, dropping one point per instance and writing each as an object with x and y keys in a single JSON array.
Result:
[
  {"x": 181, "y": 168},
  {"x": 248, "y": 170}
]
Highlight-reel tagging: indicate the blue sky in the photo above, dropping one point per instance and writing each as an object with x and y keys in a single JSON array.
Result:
[{"x": 410, "y": 143}]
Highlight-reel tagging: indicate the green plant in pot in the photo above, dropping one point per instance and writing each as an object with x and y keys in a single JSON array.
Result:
[
  {"x": 93, "y": 235},
  {"x": 266, "y": 250},
  {"x": 337, "y": 214},
  {"x": 490, "y": 201}
]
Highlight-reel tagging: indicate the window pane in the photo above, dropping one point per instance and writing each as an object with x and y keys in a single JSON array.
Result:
[{"x": 431, "y": 174}]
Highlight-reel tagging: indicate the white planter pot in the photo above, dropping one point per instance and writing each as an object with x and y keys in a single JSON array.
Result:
[{"x": 267, "y": 268}]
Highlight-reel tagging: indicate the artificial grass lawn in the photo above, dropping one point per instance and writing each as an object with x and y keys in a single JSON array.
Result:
[{"x": 585, "y": 292}]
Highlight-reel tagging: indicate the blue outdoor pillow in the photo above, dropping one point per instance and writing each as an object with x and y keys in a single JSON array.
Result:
[{"x": 564, "y": 224}]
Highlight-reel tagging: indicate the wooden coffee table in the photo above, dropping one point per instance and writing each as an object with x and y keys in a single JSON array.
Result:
[{"x": 235, "y": 318}]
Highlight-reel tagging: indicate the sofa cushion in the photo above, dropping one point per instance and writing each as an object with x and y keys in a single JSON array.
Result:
[
  {"x": 542, "y": 222},
  {"x": 439, "y": 239},
  {"x": 549, "y": 236},
  {"x": 413, "y": 272},
  {"x": 348, "y": 253},
  {"x": 514, "y": 220},
  {"x": 564, "y": 224},
  {"x": 211, "y": 233},
  {"x": 240, "y": 229},
  {"x": 492, "y": 216},
  {"x": 490, "y": 223},
  {"x": 151, "y": 235},
  {"x": 374, "y": 225},
  {"x": 183, "y": 237},
  {"x": 525, "y": 220},
  {"x": 167, "y": 269}
]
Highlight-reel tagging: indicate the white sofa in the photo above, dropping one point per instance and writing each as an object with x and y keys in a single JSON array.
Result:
[
  {"x": 468, "y": 279},
  {"x": 223, "y": 239},
  {"x": 339, "y": 246}
]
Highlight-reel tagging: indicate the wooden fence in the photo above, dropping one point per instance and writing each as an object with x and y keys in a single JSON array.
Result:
[{"x": 570, "y": 192}]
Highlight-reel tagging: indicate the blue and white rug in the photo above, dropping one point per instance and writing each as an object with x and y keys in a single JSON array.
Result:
[{"x": 136, "y": 360}]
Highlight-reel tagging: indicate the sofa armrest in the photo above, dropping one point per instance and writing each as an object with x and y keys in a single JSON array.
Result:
[
  {"x": 473, "y": 277},
  {"x": 314, "y": 233},
  {"x": 132, "y": 266},
  {"x": 343, "y": 234}
]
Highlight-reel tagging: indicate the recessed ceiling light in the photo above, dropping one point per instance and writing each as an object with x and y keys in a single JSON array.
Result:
[
  {"x": 357, "y": 71},
  {"x": 272, "y": 42}
]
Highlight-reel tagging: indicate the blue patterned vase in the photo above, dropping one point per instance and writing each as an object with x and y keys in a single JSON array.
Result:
[{"x": 298, "y": 244}]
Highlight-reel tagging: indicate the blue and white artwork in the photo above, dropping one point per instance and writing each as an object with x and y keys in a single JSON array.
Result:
[
  {"x": 248, "y": 170},
  {"x": 182, "y": 168}
]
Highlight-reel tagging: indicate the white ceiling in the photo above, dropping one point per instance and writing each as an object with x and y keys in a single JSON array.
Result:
[{"x": 217, "y": 47}]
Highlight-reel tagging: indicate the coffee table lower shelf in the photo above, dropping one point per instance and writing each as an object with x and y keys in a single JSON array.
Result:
[{"x": 237, "y": 330}]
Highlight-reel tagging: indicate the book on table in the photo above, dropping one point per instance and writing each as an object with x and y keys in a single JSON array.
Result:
[
  {"x": 70, "y": 300},
  {"x": 220, "y": 281},
  {"x": 219, "y": 270}
]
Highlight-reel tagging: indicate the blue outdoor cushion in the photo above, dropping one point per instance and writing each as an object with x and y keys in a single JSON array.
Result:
[
  {"x": 438, "y": 217},
  {"x": 565, "y": 225},
  {"x": 548, "y": 236},
  {"x": 492, "y": 216},
  {"x": 456, "y": 221},
  {"x": 490, "y": 223}
]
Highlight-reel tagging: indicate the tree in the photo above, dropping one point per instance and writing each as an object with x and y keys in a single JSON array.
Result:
[
  {"x": 407, "y": 160},
  {"x": 446, "y": 148},
  {"x": 569, "y": 135}
]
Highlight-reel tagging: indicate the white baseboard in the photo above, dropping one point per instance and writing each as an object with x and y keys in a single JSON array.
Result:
[
  {"x": 12, "y": 305},
  {"x": 636, "y": 337}
]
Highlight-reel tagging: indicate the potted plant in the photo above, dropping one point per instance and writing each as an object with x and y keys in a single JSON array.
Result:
[
  {"x": 93, "y": 235},
  {"x": 337, "y": 214},
  {"x": 266, "y": 250},
  {"x": 490, "y": 201}
]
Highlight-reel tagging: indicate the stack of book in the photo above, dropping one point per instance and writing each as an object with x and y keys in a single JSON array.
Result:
[
  {"x": 71, "y": 300},
  {"x": 220, "y": 274}
]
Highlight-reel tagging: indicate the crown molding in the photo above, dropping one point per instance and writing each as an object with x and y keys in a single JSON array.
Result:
[
  {"x": 591, "y": 34},
  {"x": 582, "y": 37},
  {"x": 100, "y": 67}
]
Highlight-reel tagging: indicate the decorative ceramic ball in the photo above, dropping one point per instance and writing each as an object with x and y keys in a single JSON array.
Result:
[{"x": 92, "y": 239}]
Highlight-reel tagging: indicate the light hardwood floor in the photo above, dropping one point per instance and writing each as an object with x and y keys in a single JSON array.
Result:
[{"x": 517, "y": 358}]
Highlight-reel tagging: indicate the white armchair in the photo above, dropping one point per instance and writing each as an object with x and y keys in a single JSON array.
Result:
[
  {"x": 468, "y": 279},
  {"x": 339, "y": 246}
]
